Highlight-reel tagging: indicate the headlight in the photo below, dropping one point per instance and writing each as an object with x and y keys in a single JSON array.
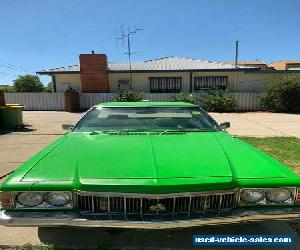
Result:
[
  {"x": 278, "y": 195},
  {"x": 30, "y": 199},
  {"x": 252, "y": 196},
  {"x": 58, "y": 199}
]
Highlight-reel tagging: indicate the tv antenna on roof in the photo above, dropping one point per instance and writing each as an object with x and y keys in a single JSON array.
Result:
[{"x": 125, "y": 38}]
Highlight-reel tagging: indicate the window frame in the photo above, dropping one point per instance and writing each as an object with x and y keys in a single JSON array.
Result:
[
  {"x": 164, "y": 89},
  {"x": 221, "y": 85}
]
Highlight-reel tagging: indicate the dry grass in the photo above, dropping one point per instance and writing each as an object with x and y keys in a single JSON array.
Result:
[{"x": 283, "y": 149}]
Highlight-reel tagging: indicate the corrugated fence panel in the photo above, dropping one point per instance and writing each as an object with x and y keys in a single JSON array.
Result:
[
  {"x": 56, "y": 101},
  {"x": 247, "y": 101},
  {"x": 89, "y": 99},
  {"x": 38, "y": 101}
]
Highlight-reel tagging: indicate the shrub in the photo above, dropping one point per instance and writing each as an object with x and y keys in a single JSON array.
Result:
[
  {"x": 220, "y": 103},
  {"x": 282, "y": 94},
  {"x": 184, "y": 97},
  {"x": 129, "y": 96}
]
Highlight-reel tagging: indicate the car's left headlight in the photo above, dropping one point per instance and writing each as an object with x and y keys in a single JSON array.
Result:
[{"x": 267, "y": 196}]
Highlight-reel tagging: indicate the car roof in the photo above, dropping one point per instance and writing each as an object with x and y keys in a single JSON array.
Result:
[{"x": 145, "y": 104}]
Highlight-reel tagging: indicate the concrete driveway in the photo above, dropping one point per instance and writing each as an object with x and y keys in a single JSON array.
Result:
[{"x": 45, "y": 127}]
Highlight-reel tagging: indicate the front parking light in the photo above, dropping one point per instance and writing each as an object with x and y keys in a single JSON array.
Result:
[{"x": 6, "y": 200}]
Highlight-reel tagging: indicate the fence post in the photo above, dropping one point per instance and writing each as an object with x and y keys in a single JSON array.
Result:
[{"x": 72, "y": 101}]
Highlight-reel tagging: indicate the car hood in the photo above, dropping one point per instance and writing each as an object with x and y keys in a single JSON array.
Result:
[{"x": 201, "y": 155}]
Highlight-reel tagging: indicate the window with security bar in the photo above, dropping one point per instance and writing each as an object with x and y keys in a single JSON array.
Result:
[
  {"x": 210, "y": 82},
  {"x": 165, "y": 84}
]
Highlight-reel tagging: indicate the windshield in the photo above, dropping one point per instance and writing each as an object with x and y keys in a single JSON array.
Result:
[{"x": 146, "y": 119}]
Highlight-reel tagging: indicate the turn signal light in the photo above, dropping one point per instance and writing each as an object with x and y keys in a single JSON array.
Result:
[
  {"x": 6, "y": 200},
  {"x": 297, "y": 200}
]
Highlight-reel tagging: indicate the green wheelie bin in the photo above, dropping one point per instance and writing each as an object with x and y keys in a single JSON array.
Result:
[{"x": 11, "y": 116}]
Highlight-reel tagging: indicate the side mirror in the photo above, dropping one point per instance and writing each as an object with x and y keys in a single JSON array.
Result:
[
  {"x": 66, "y": 126},
  {"x": 225, "y": 125}
]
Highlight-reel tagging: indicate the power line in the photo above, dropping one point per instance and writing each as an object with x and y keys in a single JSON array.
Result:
[
  {"x": 13, "y": 66},
  {"x": 8, "y": 74}
]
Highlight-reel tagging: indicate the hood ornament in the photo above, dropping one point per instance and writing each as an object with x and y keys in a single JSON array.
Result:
[{"x": 158, "y": 207}]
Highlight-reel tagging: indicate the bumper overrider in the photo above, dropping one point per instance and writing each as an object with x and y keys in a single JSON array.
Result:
[
  {"x": 48, "y": 219},
  {"x": 148, "y": 211}
]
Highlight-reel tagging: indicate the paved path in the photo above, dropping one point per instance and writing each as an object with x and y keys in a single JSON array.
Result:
[
  {"x": 45, "y": 127},
  {"x": 261, "y": 124}
]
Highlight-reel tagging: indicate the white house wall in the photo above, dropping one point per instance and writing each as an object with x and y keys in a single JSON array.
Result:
[
  {"x": 140, "y": 81},
  {"x": 63, "y": 81},
  {"x": 238, "y": 81}
]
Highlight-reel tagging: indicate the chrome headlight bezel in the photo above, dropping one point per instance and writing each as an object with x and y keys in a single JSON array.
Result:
[
  {"x": 266, "y": 200},
  {"x": 44, "y": 204}
]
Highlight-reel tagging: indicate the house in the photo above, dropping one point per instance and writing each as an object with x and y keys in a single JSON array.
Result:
[
  {"x": 163, "y": 75},
  {"x": 256, "y": 63},
  {"x": 286, "y": 65}
]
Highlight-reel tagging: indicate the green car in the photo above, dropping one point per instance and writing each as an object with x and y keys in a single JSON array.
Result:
[{"x": 148, "y": 165}]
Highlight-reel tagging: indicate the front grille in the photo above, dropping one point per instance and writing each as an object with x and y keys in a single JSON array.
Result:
[{"x": 160, "y": 207}]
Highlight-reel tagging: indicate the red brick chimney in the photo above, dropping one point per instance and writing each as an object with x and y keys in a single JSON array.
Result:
[{"x": 93, "y": 73}]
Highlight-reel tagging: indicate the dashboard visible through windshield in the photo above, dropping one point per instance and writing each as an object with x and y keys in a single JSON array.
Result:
[{"x": 152, "y": 119}]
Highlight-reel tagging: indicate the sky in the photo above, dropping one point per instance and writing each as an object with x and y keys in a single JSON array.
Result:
[{"x": 36, "y": 35}]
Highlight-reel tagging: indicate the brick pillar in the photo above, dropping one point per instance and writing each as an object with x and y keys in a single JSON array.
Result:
[
  {"x": 2, "y": 98},
  {"x": 72, "y": 101},
  {"x": 93, "y": 73}
]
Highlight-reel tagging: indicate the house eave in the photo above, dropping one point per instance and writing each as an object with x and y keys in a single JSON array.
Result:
[
  {"x": 276, "y": 71},
  {"x": 155, "y": 71},
  {"x": 56, "y": 72}
]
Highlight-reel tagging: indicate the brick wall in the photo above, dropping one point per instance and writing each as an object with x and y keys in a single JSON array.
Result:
[{"x": 93, "y": 73}]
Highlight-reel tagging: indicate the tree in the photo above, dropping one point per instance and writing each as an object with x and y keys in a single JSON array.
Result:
[
  {"x": 282, "y": 94},
  {"x": 49, "y": 87},
  {"x": 7, "y": 88},
  {"x": 28, "y": 83}
]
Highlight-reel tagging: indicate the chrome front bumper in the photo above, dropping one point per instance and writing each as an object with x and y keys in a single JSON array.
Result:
[{"x": 48, "y": 219}]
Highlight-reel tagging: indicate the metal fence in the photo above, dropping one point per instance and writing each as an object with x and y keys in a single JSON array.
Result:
[
  {"x": 38, "y": 101},
  {"x": 56, "y": 101}
]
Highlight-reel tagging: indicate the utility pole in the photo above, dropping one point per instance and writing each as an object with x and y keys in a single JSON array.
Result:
[
  {"x": 127, "y": 36},
  {"x": 236, "y": 63},
  {"x": 236, "y": 53}
]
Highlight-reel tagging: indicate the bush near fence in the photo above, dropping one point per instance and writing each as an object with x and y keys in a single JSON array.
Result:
[{"x": 56, "y": 101}]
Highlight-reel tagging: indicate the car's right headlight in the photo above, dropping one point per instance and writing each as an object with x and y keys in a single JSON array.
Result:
[
  {"x": 58, "y": 199},
  {"x": 252, "y": 195},
  {"x": 268, "y": 196},
  {"x": 278, "y": 195},
  {"x": 30, "y": 199}
]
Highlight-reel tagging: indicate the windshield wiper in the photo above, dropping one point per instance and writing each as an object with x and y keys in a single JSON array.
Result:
[
  {"x": 111, "y": 131},
  {"x": 187, "y": 130}
]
